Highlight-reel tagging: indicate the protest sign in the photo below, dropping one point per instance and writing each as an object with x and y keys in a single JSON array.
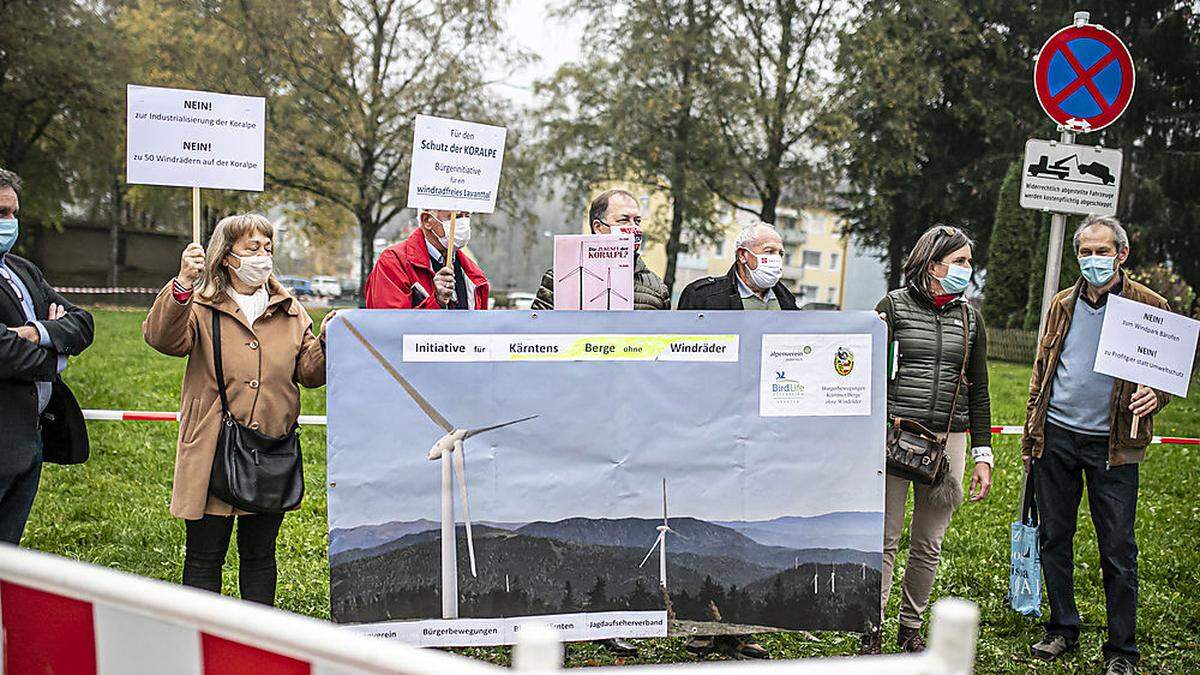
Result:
[
  {"x": 455, "y": 165},
  {"x": 593, "y": 271},
  {"x": 632, "y": 487},
  {"x": 1147, "y": 345},
  {"x": 195, "y": 139}
]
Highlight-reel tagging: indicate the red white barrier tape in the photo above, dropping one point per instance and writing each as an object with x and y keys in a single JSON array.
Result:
[
  {"x": 154, "y": 416},
  {"x": 107, "y": 290},
  {"x": 320, "y": 420}
]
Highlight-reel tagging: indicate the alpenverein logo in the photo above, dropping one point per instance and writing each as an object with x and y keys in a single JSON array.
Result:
[{"x": 843, "y": 361}]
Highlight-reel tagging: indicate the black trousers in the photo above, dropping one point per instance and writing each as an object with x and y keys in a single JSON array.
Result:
[
  {"x": 208, "y": 541},
  {"x": 1070, "y": 459}
]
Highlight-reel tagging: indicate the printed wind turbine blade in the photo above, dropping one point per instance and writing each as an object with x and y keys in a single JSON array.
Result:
[
  {"x": 618, "y": 295},
  {"x": 476, "y": 432},
  {"x": 416, "y": 396},
  {"x": 570, "y": 274},
  {"x": 597, "y": 277},
  {"x": 649, "y": 553},
  {"x": 460, "y": 472},
  {"x": 598, "y": 296},
  {"x": 664, "y": 501}
]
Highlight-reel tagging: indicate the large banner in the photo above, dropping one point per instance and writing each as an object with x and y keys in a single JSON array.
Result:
[{"x": 608, "y": 473}]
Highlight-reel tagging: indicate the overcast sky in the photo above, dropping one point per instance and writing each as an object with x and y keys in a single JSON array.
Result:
[
  {"x": 605, "y": 437},
  {"x": 554, "y": 41}
]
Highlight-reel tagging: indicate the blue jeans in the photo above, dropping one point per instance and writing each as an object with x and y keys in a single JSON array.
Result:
[
  {"x": 1068, "y": 460},
  {"x": 16, "y": 500}
]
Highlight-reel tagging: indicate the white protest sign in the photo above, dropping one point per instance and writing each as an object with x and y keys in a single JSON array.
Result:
[
  {"x": 1147, "y": 345},
  {"x": 455, "y": 165},
  {"x": 194, "y": 139},
  {"x": 593, "y": 271},
  {"x": 1069, "y": 178},
  {"x": 815, "y": 374}
]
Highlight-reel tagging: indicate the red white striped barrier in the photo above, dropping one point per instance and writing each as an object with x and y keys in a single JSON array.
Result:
[
  {"x": 107, "y": 290},
  {"x": 67, "y": 617},
  {"x": 320, "y": 420}
]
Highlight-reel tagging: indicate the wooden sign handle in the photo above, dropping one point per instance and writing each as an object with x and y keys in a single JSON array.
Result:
[
  {"x": 196, "y": 215},
  {"x": 450, "y": 240},
  {"x": 1133, "y": 426}
]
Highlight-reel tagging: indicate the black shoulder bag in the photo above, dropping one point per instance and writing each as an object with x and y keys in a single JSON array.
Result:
[
  {"x": 253, "y": 472},
  {"x": 913, "y": 451}
]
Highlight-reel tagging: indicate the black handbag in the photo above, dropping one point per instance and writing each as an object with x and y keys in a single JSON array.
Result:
[
  {"x": 251, "y": 471},
  {"x": 913, "y": 451}
]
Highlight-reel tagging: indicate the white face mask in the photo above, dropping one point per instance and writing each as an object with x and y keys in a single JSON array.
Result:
[
  {"x": 462, "y": 231},
  {"x": 769, "y": 270},
  {"x": 255, "y": 269}
]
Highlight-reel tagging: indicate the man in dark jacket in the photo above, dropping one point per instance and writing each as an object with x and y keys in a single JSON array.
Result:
[
  {"x": 753, "y": 280},
  {"x": 39, "y": 418},
  {"x": 751, "y": 283},
  {"x": 617, "y": 212},
  {"x": 1077, "y": 430}
]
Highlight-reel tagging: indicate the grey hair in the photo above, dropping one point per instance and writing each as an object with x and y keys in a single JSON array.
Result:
[
  {"x": 749, "y": 234},
  {"x": 10, "y": 179},
  {"x": 1111, "y": 223}
]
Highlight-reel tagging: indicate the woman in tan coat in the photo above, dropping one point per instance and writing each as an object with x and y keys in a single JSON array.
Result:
[{"x": 268, "y": 350}]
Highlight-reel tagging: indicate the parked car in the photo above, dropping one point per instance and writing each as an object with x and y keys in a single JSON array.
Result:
[
  {"x": 299, "y": 286},
  {"x": 328, "y": 287},
  {"x": 520, "y": 300}
]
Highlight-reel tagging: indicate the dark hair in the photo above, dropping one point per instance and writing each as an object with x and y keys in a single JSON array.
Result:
[
  {"x": 599, "y": 208},
  {"x": 936, "y": 243},
  {"x": 10, "y": 180}
]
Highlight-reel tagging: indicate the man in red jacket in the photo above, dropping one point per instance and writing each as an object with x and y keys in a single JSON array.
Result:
[{"x": 414, "y": 275}]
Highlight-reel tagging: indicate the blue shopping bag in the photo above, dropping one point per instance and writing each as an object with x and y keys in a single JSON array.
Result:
[{"x": 1025, "y": 574}]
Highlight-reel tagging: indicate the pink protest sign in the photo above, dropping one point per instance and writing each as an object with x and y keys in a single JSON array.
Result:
[{"x": 593, "y": 271}]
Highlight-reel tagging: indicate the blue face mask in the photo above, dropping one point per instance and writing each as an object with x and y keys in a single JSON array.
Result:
[
  {"x": 956, "y": 280},
  {"x": 1097, "y": 270},
  {"x": 8, "y": 234}
]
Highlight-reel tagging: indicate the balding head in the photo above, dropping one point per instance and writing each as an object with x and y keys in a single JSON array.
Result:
[{"x": 760, "y": 238}]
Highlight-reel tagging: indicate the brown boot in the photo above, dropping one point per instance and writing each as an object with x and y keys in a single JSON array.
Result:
[{"x": 909, "y": 640}]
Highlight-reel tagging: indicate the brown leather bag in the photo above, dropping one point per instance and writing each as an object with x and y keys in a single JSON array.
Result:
[{"x": 913, "y": 451}]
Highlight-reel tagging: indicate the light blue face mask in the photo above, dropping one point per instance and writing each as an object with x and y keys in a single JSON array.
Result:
[
  {"x": 8, "y": 234},
  {"x": 956, "y": 280},
  {"x": 1097, "y": 270}
]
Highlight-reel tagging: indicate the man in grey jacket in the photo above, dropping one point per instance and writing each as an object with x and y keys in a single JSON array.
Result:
[{"x": 617, "y": 211}]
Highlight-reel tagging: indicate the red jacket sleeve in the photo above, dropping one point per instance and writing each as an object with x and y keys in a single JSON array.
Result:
[{"x": 389, "y": 286}]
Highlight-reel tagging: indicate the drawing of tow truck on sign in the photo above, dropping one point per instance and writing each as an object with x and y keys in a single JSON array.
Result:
[{"x": 1062, "y": 169}]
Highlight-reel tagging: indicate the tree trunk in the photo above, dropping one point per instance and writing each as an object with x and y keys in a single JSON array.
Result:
[
  {"x": 678, "y": 205},
  {"x": 366, "y": 253},
  {"x": 114, "y": 232},
  {"x": 769, "y": 203},
  {"x": 895, "y": 261}
]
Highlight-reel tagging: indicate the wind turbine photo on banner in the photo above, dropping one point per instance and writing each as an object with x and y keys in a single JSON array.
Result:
[
  {"x": 661, "y": 544},
  {"x": 449, "y": 449}
]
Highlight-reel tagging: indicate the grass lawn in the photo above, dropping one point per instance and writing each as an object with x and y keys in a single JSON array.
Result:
[{"x": 113, "y": 511}]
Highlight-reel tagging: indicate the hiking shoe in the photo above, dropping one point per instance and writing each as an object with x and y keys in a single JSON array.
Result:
[
  {"x": 700, "y": 646},
  {"x": 1053, "y": 646},
  {"x": 1119, "y": 665},
  {"x": 871, "y": 643},
  {"x": 909, "y": 640},
  {"x": 619, "y": 647}
]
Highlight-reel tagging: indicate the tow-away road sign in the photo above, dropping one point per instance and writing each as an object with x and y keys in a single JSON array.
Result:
[{"x": 1068, "y": 178}]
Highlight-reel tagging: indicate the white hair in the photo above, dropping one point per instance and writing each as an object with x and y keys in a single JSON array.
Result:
[
  {"x": 1119, "y": 235},
  {"x": 750, "y": 234}
]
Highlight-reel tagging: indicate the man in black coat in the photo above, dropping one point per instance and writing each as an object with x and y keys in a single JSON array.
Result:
[
  {"x": 753, "y": 280},
  {"x": 40, "y": 419}
]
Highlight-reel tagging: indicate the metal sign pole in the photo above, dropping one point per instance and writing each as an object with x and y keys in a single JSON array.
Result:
[{"x": 1058, "y": 231}]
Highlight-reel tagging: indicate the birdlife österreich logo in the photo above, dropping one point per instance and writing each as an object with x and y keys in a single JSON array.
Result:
[
  {"x": 784, "y": 388},
  {"x": 843, "y": 361}
]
